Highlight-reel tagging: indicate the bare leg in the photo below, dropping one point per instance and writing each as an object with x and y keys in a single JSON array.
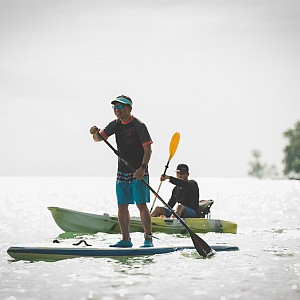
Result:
[
  {"x": 180, "y": 210},
  {"x": 158, "y": 211},
  {"x": 146, "y": 218},
  {"x": 124, "y": 220}
]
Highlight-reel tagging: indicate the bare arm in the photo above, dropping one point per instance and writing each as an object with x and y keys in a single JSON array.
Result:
[
  {"x": 139, "y": 173},
  {"x": 164, "y": 177},
  {"x": 147, "y": 154}
]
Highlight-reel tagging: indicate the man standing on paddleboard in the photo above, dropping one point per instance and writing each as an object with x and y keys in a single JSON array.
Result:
[{"x": 134, "y": 145}]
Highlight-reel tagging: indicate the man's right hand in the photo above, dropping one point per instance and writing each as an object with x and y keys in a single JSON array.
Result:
[{"x": 94, "y": 130}]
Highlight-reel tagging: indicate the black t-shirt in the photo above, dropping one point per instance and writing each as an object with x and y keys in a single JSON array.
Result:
[
  {"x": 130, "y": 138},
  {"x": 185, "y": 192}
]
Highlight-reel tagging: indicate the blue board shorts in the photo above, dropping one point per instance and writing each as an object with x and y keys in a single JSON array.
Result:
[
  {"x": 133, "y": 192},
  {"x": 188, "y": 213}
]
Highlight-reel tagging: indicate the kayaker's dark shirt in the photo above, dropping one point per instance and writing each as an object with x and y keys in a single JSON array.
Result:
[
  {"x": 130, "y": 138},
  {"x": 186, "y": 193}
]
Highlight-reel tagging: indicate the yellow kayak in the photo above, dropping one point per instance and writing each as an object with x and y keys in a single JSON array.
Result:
[{"x": 82, "y": 222}]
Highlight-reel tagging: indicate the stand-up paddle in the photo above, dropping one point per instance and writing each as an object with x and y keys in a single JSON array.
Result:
[
  {"x": 201, "y": 246},
  {"x": 172, "y": 149}
]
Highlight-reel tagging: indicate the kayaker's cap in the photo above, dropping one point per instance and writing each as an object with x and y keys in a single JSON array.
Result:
[
  {"x": 122, "y": 99},
  {"x": 182, "y": 168}
]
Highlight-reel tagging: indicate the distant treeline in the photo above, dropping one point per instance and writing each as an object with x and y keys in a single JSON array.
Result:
[{"x": 291, "y": 161}]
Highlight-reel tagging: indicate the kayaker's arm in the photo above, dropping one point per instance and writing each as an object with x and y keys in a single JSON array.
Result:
[
  {"x": 172, "y": 200},
  {"x": 164, "y": 177},
  {"x": 178, "y": 181},
  {"x": 174, "y": 180}
]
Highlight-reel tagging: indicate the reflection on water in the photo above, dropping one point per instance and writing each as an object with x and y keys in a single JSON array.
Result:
[
  {"x": 133, "y": 261},
  {"x": 266, "y": 267},
  {"x": 73, "y": 235},
  {"x": 280, "y": 251}
]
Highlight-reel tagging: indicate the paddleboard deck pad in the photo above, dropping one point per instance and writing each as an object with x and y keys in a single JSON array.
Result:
[{"x": 50, "y": 252}]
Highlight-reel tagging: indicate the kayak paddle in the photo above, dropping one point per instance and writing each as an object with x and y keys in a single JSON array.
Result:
[
  {"x": 172, "y": 149},
  {"x": 200, "y": 245}
]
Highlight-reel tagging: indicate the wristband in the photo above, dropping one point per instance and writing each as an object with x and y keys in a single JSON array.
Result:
[{"x": 144, "y": 166}]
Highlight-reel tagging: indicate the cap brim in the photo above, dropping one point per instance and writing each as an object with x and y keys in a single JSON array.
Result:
[{"x": 123, "y": 101}]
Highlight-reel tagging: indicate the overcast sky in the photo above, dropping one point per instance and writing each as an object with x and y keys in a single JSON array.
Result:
[{"x": 223, "y": 73}]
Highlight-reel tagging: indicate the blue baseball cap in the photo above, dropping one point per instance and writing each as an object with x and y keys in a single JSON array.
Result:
[{"x": 122, "y": 99}]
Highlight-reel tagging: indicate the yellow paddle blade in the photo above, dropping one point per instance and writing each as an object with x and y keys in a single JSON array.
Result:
[{"x": 174, "y": 144}]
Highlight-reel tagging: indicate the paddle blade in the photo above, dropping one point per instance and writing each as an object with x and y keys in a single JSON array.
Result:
[
  {"x": 201, "y": 246},
  {"x": 174, "y": 144}
]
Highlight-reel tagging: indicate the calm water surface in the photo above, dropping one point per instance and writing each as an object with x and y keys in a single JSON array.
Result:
[{"x": 266, "y": 267}]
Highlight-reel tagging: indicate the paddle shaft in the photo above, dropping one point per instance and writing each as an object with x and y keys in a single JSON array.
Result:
[
  {"x": 166, "y": 167},
  {"x": 172, "y": 149},
  {"x": 201, "y": 246}
]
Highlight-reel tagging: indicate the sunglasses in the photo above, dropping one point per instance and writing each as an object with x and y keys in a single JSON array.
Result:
[{"x": 120, "y": 106}]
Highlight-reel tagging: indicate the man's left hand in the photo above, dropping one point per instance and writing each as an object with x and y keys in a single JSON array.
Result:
[{"x": 139, "y": 173}]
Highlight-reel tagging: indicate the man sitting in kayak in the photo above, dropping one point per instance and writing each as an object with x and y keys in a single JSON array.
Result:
[{"x": 185, "y": 193}]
